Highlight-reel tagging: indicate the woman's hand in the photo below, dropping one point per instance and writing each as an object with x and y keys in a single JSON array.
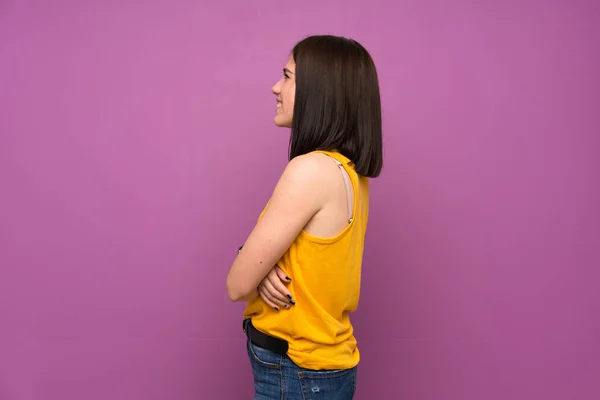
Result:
[{"x": 273, "y": 291}]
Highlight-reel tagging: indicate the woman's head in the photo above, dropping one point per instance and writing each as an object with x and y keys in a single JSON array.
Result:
[
  {"x": 285, "y": 90},
  {"x": 329, "y": 97}
]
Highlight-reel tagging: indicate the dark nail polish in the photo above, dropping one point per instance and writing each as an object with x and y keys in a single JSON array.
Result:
[
  {"x": 277, "y": 309},
  {"x": 288, "y": 278},
  {"x": 289, "y": 297},
  {"x": 293, "y": 302}
]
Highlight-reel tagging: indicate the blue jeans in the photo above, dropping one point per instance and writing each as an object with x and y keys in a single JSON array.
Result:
[{"x": 276, "y": 377}]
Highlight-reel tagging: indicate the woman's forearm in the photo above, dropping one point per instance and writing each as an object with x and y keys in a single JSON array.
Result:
[{"x": 251, "y": 296}]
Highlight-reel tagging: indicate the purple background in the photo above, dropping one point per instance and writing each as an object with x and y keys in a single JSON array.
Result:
[{"x": 137, "y": 149}]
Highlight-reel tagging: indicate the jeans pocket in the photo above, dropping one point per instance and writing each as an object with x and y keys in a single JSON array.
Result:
[
  {"x": 263, "y": 357},
  {"x": 328, "y": 385}
]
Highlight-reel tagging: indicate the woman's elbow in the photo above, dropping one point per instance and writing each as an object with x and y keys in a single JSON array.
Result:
[
  {"x": 233, "y": 295},
  {"x": 234, "y": 291}
]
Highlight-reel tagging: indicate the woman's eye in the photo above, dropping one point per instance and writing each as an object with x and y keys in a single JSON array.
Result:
[{"x": 286, "y": 76}]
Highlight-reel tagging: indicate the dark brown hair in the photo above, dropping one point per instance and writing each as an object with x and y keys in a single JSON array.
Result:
[{"x": 337, "y": 104}]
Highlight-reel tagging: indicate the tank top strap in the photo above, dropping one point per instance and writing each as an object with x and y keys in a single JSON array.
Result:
[
  {"x": 343, "y": 163},
  {"x": 338, "y": 156}
]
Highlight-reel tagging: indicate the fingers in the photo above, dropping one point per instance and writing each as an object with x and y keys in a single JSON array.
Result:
[
  {"x": 277, "y": 291},
  {"x": 279, "y": 285},
  {"x": 273, "y": 291},
  {"x": 282, "y": 276},
  {"x": 270, "y": 300}
]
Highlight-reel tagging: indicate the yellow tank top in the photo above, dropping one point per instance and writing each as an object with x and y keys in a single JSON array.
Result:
[{"x": 325, "y": 275}]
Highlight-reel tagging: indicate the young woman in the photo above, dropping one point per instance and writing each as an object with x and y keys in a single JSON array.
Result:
[{"x": 299, "y": 337}]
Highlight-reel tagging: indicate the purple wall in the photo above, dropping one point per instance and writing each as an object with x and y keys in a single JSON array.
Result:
[{"x": 137, "y": 149}]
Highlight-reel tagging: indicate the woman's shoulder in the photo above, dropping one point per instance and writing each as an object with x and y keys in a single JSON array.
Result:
[
  {"x": 315, "y": 169},
  {"x": 309, "y": 175}
]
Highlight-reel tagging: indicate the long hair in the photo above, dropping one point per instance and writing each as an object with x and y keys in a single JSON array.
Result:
[{"x": 337, "y": 104}]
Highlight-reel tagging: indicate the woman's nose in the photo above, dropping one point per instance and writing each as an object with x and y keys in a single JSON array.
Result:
[{"x": 276, "y": 89}]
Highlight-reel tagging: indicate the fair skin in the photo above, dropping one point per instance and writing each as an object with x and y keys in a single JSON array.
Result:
[
  {"x": 310, "y": 195},
  {"x": 272, "y": 288},
  {"x": 285, "y": 92}
]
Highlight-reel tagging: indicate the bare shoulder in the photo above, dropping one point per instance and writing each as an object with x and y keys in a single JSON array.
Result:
[
  {"x": 312, "y": 169},
  {"x": 308, "y": 176},
  {"x": 316, "y": 167}
]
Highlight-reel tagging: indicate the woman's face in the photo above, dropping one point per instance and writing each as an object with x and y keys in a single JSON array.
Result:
[{"x": 285, "y": 91}]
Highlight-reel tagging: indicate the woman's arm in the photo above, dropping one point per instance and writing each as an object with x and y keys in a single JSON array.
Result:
[
  {"x": 298, "y": 196},
  {"x": 251, "y": 296}
]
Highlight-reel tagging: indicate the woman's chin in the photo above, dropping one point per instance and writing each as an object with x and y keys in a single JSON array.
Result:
[{"x": 282, "y": 122}]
